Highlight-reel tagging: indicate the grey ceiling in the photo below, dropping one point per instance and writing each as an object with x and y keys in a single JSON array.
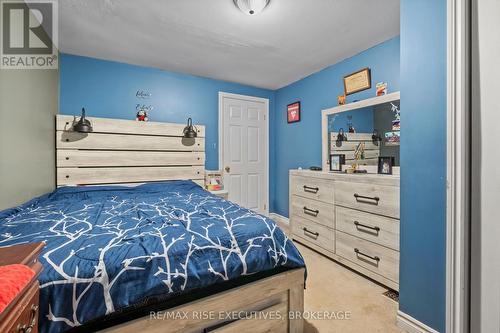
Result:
[{"x": 288, "y": 41}]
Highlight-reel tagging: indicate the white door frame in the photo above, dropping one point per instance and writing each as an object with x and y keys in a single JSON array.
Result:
[
  {"x": 458, "y": 168},
  {"x": 223, "y": 95}
]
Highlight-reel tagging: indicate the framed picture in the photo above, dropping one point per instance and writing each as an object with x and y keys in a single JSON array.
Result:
[
  {"x": 336, "y": 162},
  {"x": 293, "y": 112},
  {"x": 392, "y": 138},
  {"x": 357, "y": 81},
  {"x": 385, "y": 165}
]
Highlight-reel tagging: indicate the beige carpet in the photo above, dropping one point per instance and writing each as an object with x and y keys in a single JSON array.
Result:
[{"x": 332, "y": 287}]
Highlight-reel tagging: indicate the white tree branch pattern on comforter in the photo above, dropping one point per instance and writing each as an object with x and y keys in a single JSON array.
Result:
[{"x": 108, "y": 248}]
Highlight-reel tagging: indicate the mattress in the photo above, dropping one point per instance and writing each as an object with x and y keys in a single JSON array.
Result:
[{"x": 112, "y": 249}]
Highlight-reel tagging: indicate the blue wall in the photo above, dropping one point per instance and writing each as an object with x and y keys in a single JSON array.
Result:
[
  {"x": 299, "y": 144},
  {"x": 423, "y": 161},
  {"x": 107, "y": 89}
]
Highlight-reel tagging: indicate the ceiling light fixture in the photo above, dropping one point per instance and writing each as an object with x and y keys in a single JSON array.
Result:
[{"x": 251, "y": 7}]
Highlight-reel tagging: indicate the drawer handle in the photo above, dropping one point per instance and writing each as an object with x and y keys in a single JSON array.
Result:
[
  {"x": 310, "y": 233},
  {"x": 33, "y": 316},
  {"x": 311, "y": 212},
  {"x": 358, "y": 225},
  {"x": 311, "y": 189},
  {"x": 365, "y": 199},
  {"x": 359, "y": 253}
]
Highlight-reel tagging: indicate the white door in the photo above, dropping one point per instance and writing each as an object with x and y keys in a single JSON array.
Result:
[
  {"x": 485, "y": 161},
  {"x": 245, "y": 150}
]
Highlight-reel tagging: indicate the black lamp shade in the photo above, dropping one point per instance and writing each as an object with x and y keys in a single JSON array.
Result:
[
  {"x": 189, "y": 131},
  {"x": 83, "y": 125}
]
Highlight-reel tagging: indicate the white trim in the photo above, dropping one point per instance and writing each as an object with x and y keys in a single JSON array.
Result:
[
  {"x": 280, "y": 218},
  {"x": 411, "y": 325},
  {"x": 395, "y": 96},
  {"x": 458, "y": 189},
  {"x": 223, "y": 95}
]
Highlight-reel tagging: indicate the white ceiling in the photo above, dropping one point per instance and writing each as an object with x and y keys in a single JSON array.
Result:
[{"x": 212, "y": 38}]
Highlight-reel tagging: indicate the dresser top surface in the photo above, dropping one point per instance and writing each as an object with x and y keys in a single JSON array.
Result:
[
  {"x": 20, "y": 254},
  {"x": 391, "y": 180}
]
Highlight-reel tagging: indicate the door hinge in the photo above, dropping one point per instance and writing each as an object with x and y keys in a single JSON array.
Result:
[{"x": 265, "y": 206}]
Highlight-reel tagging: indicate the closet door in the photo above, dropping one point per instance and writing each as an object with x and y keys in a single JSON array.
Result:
[{"x": 485, "y": 226}]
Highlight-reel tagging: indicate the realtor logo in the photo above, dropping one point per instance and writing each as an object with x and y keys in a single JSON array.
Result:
[{"x": 28, "y": 34}]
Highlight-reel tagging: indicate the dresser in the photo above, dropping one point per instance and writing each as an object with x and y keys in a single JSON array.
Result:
[
  {"x": 351, "y": 218},
  {"x": 21, "y": 315}
]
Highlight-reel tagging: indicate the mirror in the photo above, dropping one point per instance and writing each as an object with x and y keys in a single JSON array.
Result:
[{"x": 360, "y": 136}]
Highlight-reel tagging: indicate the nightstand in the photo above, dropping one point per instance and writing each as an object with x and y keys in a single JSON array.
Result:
[
  {"x": 21, "y": 315},
  {"x": 221, "y": 193}
]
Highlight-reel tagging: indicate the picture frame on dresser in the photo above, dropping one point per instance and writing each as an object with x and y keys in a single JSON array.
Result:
[
  {"x": 336, "y": 162},
  {"x": 385, "y": 164}
]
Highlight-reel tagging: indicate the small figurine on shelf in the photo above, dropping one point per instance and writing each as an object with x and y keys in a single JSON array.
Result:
[
  {"x": 341, "y": 99},
  {"x": 142, "y": 115},
  {"x": 381, "y": 89},
  {"x": 359, "y": 152},
  {"x": 142, "y": 112}
]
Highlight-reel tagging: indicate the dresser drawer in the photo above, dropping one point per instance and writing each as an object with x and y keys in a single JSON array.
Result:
[
  {"x": 373, "y": 257},
  {"x": 378, "y": 199},
  {"x": 313, "y": 233},
  {"x": 25, "y": 312},
  {"x": 375, "y": 228},
  {"x": 313, "y": 210},
  {"x": 312, "y": 188}
]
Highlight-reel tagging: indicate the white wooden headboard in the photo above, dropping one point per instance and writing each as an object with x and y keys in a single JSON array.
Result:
[{"x": 127, "y": 151}]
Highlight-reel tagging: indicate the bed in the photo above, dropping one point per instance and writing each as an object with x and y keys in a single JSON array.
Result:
[{"x": 115, "y": 253}]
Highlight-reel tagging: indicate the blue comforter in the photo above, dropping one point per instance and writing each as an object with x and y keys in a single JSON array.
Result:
[{"x": 110, "y": 247}]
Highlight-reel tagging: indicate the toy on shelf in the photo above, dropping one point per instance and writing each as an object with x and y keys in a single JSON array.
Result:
[{"x": 381, "y": 89}]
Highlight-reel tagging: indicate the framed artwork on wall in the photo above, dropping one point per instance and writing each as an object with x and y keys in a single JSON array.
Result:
[
  {"x": 357, "y": 81},
  {"x": 293, "y": 112}
]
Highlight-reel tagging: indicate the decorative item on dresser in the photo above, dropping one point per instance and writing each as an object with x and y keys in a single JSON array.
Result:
[
  {"x": 21, "y": 315},
  {"x": 353, "y": 219}
]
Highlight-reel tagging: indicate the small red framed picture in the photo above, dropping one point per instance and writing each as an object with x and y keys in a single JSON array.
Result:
[{"x": 293, "y": 112}]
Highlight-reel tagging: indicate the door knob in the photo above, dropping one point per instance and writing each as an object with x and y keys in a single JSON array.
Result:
[{"x": 228, "y": 169}]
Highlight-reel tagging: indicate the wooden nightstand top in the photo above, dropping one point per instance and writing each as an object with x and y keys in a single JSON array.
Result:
[{"x": 25, "y": 254}]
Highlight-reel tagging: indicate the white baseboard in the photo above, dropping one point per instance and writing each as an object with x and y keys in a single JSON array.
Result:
[
  {"x": 280, "y": 218},
  {"x": 411, "y": 325}
]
